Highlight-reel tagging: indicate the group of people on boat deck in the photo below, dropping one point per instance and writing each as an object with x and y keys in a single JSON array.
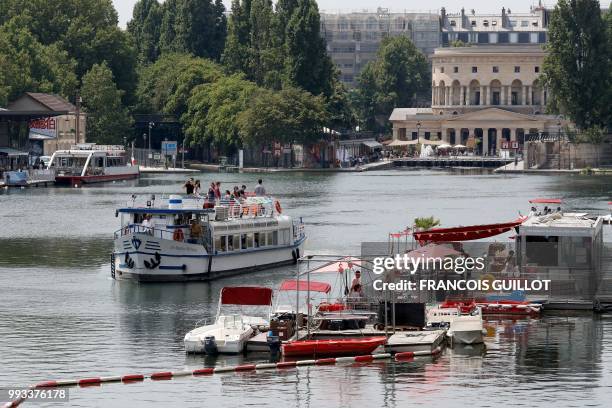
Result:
[
  {"x": 215, "y": 196},
  {"x": 545, "y": 211}
]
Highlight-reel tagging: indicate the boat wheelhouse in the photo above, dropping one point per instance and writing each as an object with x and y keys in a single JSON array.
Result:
[
  {"x": 176, "y": 239},
  {"x": 91, "y": 163}
]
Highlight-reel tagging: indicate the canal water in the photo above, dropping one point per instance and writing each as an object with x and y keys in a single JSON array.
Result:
[{"x": 61, "y": 316}]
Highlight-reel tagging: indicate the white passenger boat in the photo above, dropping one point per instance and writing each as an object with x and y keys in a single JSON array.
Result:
[
  {"x": 91, "y": 163},
  {"x": 466, "y": 329},
  {"x": 230, "y": 332},
  {"x": 176, "y": 239}
]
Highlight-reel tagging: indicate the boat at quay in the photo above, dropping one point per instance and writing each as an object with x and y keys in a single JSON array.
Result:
[
  {"x": 177, "y": 239},
  {"x": 91, "y": 163}
]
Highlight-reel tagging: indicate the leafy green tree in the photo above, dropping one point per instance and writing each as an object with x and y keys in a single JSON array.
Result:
[
  {"x": 395, "y": 79},
  {"x": 108, "y": 122},
  {"x": 26, "y": 65},
  {"x": 212, "y": 111},
  {"x": 577, "y": 69},
  {"x": 237, "y": 47},
  {"x": 307, "y": 64},
  {"x": 86, "y": 29},
  {"x": 166, "y": 85},
  {"x": 145, "y": 29},
  {"x": 197, "y": 27}
]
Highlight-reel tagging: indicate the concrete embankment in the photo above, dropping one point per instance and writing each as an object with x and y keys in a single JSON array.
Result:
[{"x": 365, "y": 167}]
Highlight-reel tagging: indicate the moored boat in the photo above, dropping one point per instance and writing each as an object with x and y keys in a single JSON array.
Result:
[
  {"x": 332, "y": 347},
  {"x": 466, "y": 329},
  {"x": 510, "y": 307},
  {"x": 230, "y": 332},
  {"x": 91, "y": 163}
]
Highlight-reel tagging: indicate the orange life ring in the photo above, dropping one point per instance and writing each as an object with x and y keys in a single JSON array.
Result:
[
  {"x": 178, "y": 235},
  {"x": 278, "y": 207}
]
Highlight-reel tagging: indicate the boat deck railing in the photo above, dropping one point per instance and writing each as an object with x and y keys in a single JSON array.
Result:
[
  {"x": 160, "y": 233},
  {"x": 225, "y": 209}
]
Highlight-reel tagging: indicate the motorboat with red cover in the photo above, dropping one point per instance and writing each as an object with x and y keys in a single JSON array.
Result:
[{"x": 341, "y": 347}]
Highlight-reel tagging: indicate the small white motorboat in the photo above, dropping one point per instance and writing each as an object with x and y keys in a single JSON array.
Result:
[
  {"x": 466, "y": 329},
  {"x": 230, "y": 333}
]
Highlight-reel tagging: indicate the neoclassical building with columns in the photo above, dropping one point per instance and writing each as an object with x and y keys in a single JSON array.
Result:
[{"x": 481, "y": 97}]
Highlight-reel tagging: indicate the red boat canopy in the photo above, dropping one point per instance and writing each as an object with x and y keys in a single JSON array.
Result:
[
  {"x": 465, "y": 233},
  {"x": 246, "y": 295},
  {"x": 545, "y": 201},
  {"x": 292, "y": 284}
]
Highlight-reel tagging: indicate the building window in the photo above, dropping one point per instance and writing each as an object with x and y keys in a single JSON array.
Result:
[
  {"x": 495, "y": 69},
  {"x": 485, "y": 23},
  {"x": 494, "y": 22},
  {"x": 474, "y": 70},
  {"x": 517, "y": 69},
  {"x": 524, "y": 23},
  {"x": 441, "y": 70},
  {"x": 455, "y": 69},
  {"x": 473, "y": 23},
  {"x": 512, "y": 23},
  {"x": 453, "y": 23},
  {"x": 535, "y": 24},
  {"x": 537, "y": 70}
]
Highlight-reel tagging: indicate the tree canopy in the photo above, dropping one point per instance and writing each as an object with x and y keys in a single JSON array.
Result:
[
  {"x": 398, "y": 75},
  {"x": 577, "y": 69},
  {"x": 108, "y": 122}
]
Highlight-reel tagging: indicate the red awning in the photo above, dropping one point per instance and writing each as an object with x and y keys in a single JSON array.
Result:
[
  {"x": 246, "y": 295},
  {"x": 434, "y": 251},
  {"x": 545, "y": 201},
  {"x": 469, "y": 233},
  {"x": 302, "y": 285}
]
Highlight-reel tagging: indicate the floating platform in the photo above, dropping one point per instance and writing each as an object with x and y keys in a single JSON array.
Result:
[
  {"x": 455, "y": 161},
  {"x": 258, "y": 343},
  {"x": 421, "y": 341}
]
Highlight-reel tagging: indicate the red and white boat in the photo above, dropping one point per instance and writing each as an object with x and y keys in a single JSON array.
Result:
[
  {"x": 91, "y": 163},
  {"x": 509, "y": 308},
  {"x": 340, "y": 347}
]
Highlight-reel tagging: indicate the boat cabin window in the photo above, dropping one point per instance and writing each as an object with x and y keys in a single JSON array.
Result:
[
  {"x": 221, "y": 243},
  {"x": 257, "y": 240},
  {"x": 275, "y": 238},
  {"x": 250, "y": 240},
  {"x": 234, "y": 243}
]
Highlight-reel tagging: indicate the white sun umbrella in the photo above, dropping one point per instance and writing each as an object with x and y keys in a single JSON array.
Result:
[
  {"x": 444, "y": 146},
  {"x": 459, "y": 146}
]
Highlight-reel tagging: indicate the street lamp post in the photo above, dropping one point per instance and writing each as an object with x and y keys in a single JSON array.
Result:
[
  {"x": 151, "y": 124},
  {"x": 144, "y": 143},
  {"x": 559, "y": 142},
  {"x": 418, "y": 126}
]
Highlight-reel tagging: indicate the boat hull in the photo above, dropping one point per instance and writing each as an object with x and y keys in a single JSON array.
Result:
[
  {"x": 78, "y": 180},
  {"x": 466, "y": 337},
  {"x": 144, "y": 258},
  {"x": 344, "y": 347}
]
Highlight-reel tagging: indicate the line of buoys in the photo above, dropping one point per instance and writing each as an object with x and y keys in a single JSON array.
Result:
[{"x": 169, "y": 375}]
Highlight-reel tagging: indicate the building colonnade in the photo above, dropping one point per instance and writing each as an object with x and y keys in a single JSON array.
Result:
[{"x": 493, "y": 94}]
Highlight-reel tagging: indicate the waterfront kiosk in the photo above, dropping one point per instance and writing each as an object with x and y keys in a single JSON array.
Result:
[{"x": 565, "y": 248}]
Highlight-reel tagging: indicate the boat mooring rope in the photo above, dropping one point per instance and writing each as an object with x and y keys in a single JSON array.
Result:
[{"x": 169, "y": 375}]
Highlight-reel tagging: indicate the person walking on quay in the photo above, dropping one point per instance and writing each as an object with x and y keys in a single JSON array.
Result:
[{"x": 260, "y": 190}]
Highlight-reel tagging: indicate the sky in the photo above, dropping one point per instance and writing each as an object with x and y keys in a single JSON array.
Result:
[{"x": 124, "y": 7}]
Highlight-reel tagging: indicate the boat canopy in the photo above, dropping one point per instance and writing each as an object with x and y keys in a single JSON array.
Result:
[
  {"x": 434, "y": 251},
  {"x": 246, "y": 295},
  {"x": 302, "y": 285},
  {"x": 338, "y": 266},
  {"x": 154, "y": 210},
  {"x": 468, "y": 233},
  {"x": 545, "y": 201}
]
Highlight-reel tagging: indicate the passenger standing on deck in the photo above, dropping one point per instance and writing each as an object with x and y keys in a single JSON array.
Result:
[
  {"x": 147, "y": 224},
  {"x": 217, "y": 188},
  {"x": 210, "y": 197},
  {"x": 197, "y": 188},
  {"x": 356, "y": 287},
  {"x": 189, "y": 186},
  {"x": 260, "y": 190}
]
